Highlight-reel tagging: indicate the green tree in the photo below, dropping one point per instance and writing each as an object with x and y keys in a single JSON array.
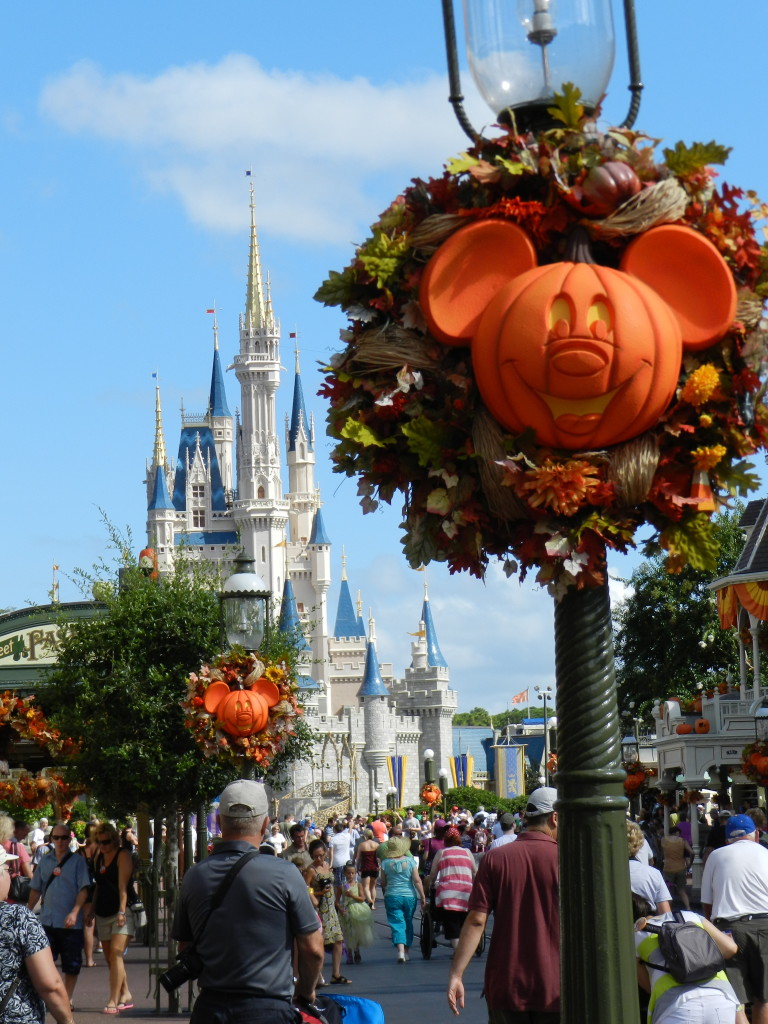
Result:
[
  {"x": 477, "y": 716},
  {"x": 117, "y": 687},
  {"x": 667, "y": 636}
]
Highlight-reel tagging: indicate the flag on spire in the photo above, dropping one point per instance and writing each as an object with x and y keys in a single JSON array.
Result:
[{"x": 520, "y": 698}]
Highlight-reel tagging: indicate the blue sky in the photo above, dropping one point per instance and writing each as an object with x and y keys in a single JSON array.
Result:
[{"x": 125, "y": 135}]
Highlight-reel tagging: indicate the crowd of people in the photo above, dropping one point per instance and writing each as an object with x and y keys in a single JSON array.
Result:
[
  {"x": 60, "y": 897},
  {"x": 318, "y": 886}
]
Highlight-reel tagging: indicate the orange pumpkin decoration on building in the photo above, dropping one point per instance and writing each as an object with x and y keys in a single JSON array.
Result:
[
  {"x": 701, "y": 726},
  {"x": 586, "y": 355},
  {"x": 148, "y": 562},
  {"x": 684, "y": 728}
]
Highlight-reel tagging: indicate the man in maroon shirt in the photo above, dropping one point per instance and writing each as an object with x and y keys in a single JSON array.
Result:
[{"x": 518, "y": 882}]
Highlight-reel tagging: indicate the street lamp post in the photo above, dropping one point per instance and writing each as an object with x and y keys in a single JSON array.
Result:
[
  {"x": 244, "y": 602},
  {"x": 518, "y": 65},
  {"x": 376, "y": 798},
  {"x": 442, "y": 779},
  {"x": 545, "y": 692},
  {"x": 391, "y": 798},
  {"x": 429, "y": 766}
]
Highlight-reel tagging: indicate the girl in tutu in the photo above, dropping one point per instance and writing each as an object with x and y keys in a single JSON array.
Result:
[{"x": 356, "y": 916}]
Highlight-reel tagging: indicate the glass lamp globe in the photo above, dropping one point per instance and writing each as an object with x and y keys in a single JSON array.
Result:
[
  {"x": 521, "y": 53},
  {"x": 244, "y": 598}
]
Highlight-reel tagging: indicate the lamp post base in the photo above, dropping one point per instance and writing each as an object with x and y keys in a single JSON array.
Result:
[{"x": 597, "y": 952}]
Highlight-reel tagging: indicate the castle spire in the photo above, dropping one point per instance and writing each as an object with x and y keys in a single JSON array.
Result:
[
  {"x": 159, "y": 456},
  {"x": 435, "y": 657},
  {"x": 217, "y": 399},
  {"x": 258, "y": 313},
  {"x": 299, "y": 421}
]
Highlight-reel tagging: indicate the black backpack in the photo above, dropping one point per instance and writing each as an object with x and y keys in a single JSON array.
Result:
[{"x": 690, "y": 953}]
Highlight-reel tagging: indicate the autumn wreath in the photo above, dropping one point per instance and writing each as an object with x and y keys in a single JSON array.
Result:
[
  {"x": 406, "y": 411},
  {"x": 430, "y": 794},
  {"x": 754, "y": 762},
  {"x": 242, "y": 708}
]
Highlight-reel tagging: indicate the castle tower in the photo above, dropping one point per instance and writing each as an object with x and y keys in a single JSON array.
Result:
[
  {"x": 260, "y": 511},
  {"x": 425, "y": 691},
  {"x": 376, "y": 717},
  {"x": 300, "y": 449}
]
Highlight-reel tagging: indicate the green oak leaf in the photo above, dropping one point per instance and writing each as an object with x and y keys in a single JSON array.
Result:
[
  {"x": 358, "y": 432},
  {"x": 684, "y": 159}
]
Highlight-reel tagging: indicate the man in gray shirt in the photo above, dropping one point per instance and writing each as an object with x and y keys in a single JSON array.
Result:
[{"x": 247, "y": 943}]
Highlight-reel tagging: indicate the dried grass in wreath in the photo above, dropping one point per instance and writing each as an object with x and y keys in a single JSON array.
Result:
[
  {"x": 749, "y": 309},
  {"x": 632, "y": 466},
  {"x": 435, "y": 229},
  {"x": 487, "y": 441},
  {"x": 393, "y": 346},
  {"x": 659, "y": 204}
]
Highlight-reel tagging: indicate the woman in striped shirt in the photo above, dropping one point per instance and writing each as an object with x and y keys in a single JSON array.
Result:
[{"x": 453, "y": 870}]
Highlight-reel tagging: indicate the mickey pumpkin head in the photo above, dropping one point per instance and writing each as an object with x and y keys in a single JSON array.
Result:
[
  {"x": 586, "y": 355},
  {"x": 241, "y": 712}
]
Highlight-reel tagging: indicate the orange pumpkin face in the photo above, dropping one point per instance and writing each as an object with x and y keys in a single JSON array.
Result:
[
  {"x": 243, "y": 712},
  {"x": 585, "y": 355},
  {"x": 684, "y": 728},
  {"x": 701, "y": 725}
]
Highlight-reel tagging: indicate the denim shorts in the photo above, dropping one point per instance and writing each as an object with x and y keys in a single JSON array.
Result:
[{"x": 66, "y": 943}]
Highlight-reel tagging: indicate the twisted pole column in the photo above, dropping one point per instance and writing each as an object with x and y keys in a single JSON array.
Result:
[{"x": 597, "y": 951}]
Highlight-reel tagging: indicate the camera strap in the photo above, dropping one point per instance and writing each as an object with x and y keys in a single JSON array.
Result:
[{"x": 223, "y": 889}]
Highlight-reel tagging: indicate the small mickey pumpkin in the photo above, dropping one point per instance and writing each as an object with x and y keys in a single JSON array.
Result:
[
  {"x": 241, "y": 712},
  {"x": 701, "y": 726},
  {"x": 586, "y": 355},
  {"x": 684, "y": 728}
]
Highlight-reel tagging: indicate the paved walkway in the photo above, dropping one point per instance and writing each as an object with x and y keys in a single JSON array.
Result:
[{"x": 407, "y": 992}]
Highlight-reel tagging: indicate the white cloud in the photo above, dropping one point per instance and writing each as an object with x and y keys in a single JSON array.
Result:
[{"x": 317, "y": 144}]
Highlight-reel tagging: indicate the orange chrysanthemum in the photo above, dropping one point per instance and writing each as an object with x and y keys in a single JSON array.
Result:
[{"x": 561, "y": 487}]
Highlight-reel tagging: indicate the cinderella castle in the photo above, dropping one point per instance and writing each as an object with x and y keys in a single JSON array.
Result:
[{"x": 225, "y": 491}]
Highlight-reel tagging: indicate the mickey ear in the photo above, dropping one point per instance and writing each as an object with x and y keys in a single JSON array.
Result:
[
  {"x": 214, "y": 695},
  {"x": 687, "y": 271},
  {"x": 467, "y": 271}
]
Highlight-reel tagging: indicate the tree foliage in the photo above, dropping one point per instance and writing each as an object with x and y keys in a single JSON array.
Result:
[
  {"x": 481, "y": 717},
  {"x": 118, "y": 683},
  {"x": 667, "y": 636}
]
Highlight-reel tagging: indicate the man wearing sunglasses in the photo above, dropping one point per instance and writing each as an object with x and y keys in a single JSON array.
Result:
[{"x": 62, "y": 882}]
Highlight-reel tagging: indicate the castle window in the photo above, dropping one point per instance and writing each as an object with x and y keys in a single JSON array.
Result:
[
  {"x": 198, "y": 518},
  {"x": 198, "y": 493},
  {"x": 263, "y": 554},
  {"x": 260, "y": 492}
]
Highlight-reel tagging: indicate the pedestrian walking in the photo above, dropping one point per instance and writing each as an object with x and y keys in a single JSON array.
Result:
[
  {"x": 62, "y": 883},
  {"x": 28, "y": 976},
  {"x": 452, "y": 874},
  {"x": 247, "y": 943},
  {"x": 113, "y": 868},
  {"x": 403, "y": 891},
  {"x": 518, "y": 884},
  {"x": 734, "y": 895}
]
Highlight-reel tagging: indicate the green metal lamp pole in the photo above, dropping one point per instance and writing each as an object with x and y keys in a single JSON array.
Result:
[{"x": 595, "y": 907}]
